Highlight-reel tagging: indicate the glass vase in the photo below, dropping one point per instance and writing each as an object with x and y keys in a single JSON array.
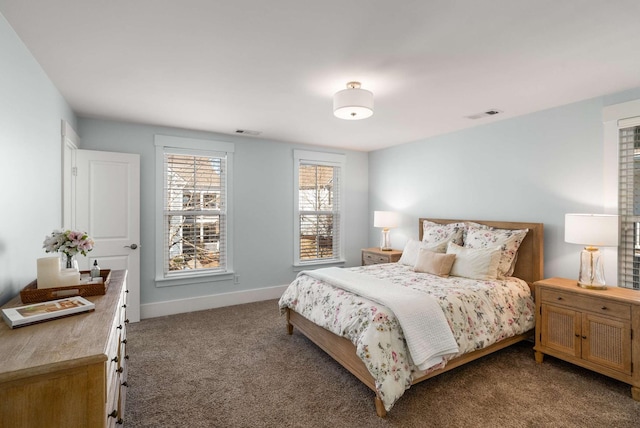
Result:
[{"x": 69, "y": 261}]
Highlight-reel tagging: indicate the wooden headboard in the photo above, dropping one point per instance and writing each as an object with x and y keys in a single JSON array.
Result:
[{"x": 530, "y": 262}]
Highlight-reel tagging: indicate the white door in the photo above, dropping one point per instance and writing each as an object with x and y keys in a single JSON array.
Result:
[{"x": 107, "y": 207}]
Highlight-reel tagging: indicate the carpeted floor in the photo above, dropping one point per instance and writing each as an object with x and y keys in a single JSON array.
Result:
[{"x": 237, "y": 367}]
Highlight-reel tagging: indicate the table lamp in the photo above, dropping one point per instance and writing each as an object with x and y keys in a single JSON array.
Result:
[
  {"x": 592, "y": 231},
  {"x": 386, "y": 220}
]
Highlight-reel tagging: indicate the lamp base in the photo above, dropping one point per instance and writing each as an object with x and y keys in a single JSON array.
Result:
[
  {"x": 592, "y": 286},
  {"x": 591, "y": 269},
  {"x": 385, "y": 242}
]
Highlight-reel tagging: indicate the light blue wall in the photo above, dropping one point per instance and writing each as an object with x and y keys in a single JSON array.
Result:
[
  {"x": 263, "y": 205},
  {"x": 31, "y": 110},
  {"x": 533, "y": 168}
]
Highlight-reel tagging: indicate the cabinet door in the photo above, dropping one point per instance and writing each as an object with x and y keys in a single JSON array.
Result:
[
  {"x": 561, "y": 329},
  {"x": 606, "y": 342}
]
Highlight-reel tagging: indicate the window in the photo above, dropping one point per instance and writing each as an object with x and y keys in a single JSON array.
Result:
[
  {"x": 629, "y": 203},
  {"x": 193, "y": 229},
  {"x": 318, "y": 207}
]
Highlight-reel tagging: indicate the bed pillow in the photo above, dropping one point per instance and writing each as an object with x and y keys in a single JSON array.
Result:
[
  {"x": 410, "y": 252},
  {"x": 434, "y": 263},
  {"x": 481, "y": 263},
  {"x": 508, "y": 240},
  {"x": 434, "y": 233}
]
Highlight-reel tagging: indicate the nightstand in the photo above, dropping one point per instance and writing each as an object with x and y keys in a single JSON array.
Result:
[
  {"x": 375, "y": 256},
  {"x": 595, "y": 329}
]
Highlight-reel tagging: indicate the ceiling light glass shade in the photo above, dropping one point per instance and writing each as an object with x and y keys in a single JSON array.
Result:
[{"x": 353, "y": 103}]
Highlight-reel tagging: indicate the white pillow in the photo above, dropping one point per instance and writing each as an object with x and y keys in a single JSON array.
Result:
[
  {"x": 475, "y": 263},
  {"x": 410, "y": 252}
]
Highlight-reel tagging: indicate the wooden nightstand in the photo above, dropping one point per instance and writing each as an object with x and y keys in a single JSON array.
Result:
[
  {"x": 375, "y": 256},
  {"x": 596, "y": 329}
]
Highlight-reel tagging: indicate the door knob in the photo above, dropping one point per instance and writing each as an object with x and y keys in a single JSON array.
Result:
[{"x": 132, "y": 246}]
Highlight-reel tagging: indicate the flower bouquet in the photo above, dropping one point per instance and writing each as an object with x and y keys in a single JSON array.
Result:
[{"x": 68, "y": 242}]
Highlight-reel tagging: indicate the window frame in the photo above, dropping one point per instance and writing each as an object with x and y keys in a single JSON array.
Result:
[
  {"x": 320, "y": 159},
  {"x": 612, "y": 117},
  {"x": 195, "y": 147}
]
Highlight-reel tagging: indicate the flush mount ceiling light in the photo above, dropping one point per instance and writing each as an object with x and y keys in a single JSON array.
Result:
[{"x": 353, "y": 103}]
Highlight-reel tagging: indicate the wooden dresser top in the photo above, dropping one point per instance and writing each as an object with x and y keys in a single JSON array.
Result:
[{"x": 60, "y": 343}]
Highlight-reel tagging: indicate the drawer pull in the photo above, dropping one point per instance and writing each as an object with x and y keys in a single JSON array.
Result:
[
  {"x": 124, "y": 306},
  {"x": 115, "y": 359},
  {"x": 119, "y": 327},
  {"x": 125, "y": 384},
  {"x": 604, "y": 308},
  {"x": 120, "y": 370},
  {"x": 124, "y": 341},
  {"x": 559, "y": 298},
  {"x": 120, "y": 421},
  {"x": 127, "y": 320},
  {"x": 577, "y": 335},
  {"x": 113, "y": 414},
  {"x": 126, "y": 357},
  {"x": 584, "y": 337}
]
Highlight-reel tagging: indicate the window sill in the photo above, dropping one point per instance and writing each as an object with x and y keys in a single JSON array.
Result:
[
  {"x": 193, "y": 278},
  {"x": 298, "y": 267}
]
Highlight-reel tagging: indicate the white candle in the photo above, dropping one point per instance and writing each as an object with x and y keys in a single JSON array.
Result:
[
  {"x": 69, "y": 277},
  {"x": 48, "y": 272}
]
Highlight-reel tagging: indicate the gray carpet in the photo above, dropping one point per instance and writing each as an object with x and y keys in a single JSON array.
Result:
[{"x": 237, "y": 367}]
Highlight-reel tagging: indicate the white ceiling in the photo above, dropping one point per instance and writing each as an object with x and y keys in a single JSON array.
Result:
[{"x": 273, "y": 66}]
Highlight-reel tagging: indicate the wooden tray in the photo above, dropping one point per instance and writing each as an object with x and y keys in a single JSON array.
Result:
[{"x": 32, "y": 294}]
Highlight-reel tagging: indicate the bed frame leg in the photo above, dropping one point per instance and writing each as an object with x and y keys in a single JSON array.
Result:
[
  {"x": 289, "y": 325},
  {"x": 380, "y": 407}
]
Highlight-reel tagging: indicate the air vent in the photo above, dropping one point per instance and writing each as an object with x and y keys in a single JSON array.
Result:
[
  {"x": 487, "y": 113},
  {"x": 247, "y": 132}
]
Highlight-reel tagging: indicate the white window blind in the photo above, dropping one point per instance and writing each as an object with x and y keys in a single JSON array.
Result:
[
  {"x": 194, "y": 213},
  {"x": 319, "y": 208},
  {"x": 629, "y": 204}
]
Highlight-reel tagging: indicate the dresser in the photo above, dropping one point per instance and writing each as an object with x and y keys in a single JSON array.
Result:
[
  {"x": 595, "y": 329},
  {"x": 374, "y": 256},
  {"x": 67, "y": 372}
]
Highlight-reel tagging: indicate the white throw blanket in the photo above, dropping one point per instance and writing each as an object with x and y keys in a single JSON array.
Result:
[{"x": 425, "y": 327}]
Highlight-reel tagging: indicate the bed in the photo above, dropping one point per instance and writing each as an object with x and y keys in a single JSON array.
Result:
[{"x": 365, "y": 337}]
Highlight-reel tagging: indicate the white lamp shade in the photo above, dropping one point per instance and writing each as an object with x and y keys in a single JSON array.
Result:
[
  {"x": 597, "y": 230},
  {"x": 385, "y": 219},
  {"x": 353, "y": 103}
]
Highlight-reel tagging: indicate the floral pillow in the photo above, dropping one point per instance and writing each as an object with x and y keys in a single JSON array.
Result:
[
  {"x": 481, "y": 263},
  {"x": 508, "y": 240},
  {"x": 434, "y": 233}
]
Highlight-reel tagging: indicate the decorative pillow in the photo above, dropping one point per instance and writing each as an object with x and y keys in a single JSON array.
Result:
[
  {"x": 472, "y": 263},
  {"x": 411, "y": 248},
  {"x": 508, "y": 240},
  {"x": 434, "y": 263},
  {"x": 410, "y": 253},
  {"x": 434, "y": 233}
]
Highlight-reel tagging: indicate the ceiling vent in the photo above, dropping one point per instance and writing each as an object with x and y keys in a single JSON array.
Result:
[
  {"x": 247, "y": 132},
  {"x": 487, "y": 113}
]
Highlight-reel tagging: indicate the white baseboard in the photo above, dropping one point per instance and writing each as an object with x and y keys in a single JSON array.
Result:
[{"x": 201, "y": 303}]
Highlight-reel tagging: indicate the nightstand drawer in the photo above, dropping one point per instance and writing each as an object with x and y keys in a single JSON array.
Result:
[
  {"x": 587, "y": 303},
  {"x": 373, "y": 259}
]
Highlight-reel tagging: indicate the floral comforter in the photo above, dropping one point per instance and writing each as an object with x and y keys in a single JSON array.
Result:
[{"x": 479, "y": 313}]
